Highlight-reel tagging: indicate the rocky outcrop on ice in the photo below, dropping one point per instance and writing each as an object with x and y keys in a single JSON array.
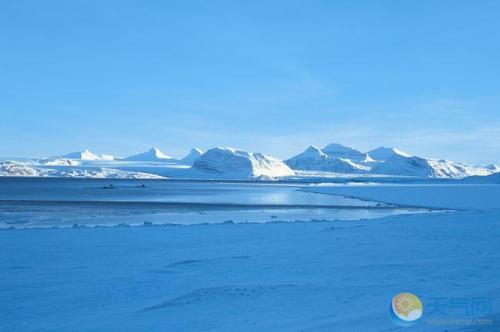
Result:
[
  {"x": 13, "y": 168},
  {"x": 152, "y": 155},
  {"x": 100, "y": 172},
  {"x": 84, "y": 155},
  {"x": 315, "y": 159},
  {"x": 232, "y": 163},
  {"x": 194, "y": 154},
  {"x": 382, "y": 153}
]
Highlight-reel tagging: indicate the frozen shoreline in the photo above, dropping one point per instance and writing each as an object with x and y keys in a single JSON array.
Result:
[{"x": 64, "y": 203}]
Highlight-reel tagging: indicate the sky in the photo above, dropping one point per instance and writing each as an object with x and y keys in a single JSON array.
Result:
[{"x": 269, "y": 76}]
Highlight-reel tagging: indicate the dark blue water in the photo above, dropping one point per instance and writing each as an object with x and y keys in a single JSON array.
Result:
[{"x": 47, "y": 202}]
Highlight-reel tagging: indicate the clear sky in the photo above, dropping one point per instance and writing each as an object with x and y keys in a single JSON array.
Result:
[{"x": 271, "y": 76}]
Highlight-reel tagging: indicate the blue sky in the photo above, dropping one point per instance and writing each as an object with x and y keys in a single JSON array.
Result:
[{"x": 270, "y": 76}]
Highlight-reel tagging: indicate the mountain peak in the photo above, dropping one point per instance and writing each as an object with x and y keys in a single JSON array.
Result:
[
  {"x": 197, "y": 150},
  {"x": 194, "y": 154},
  {"x": 383, "y": 153},
  {"x": 83, "y": 155},
  {"x": 153, "y": 154},
  {"x": 155, "y": 150},
  {"x": 313, "y": 148},
  {"x": 336, "y": 146},
  {"x": 340, "y": 151}
]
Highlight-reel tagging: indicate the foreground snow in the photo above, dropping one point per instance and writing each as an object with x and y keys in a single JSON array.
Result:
[
  {"x": 328, "y": 276},
  {"x": 443, "y": 196}
]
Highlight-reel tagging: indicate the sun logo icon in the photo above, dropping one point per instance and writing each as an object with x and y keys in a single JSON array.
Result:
[{"x": 406, "y": 309}]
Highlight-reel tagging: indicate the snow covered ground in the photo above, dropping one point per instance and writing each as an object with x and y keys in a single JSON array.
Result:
[
  {"x": 444, "y": 195},
  {"x": 299, "y": 276}
]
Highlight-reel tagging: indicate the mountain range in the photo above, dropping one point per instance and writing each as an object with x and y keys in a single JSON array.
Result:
[
  {"x": 233, "y": 163},
  {"x": 383, "y": 160}
]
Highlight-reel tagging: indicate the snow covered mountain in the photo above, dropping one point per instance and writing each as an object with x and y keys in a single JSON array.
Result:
[
  {"x": 422, "y": 167},
  {"x": 13, "y": 168},
  {"x": 152, "y": 155},
  {"x": 232, "y": 163},
  {"x": 340, "y": 151},
  {"x": 84, "y": 155},
  {"x": 387, "y": 161},
  {"x": 382, "y": 153},
  {"x": 314, "y": 159},
  {"x": 311, "y": 159},
  {"x": 192, "y": 156},
  {"x": 235, "y": 164}
]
